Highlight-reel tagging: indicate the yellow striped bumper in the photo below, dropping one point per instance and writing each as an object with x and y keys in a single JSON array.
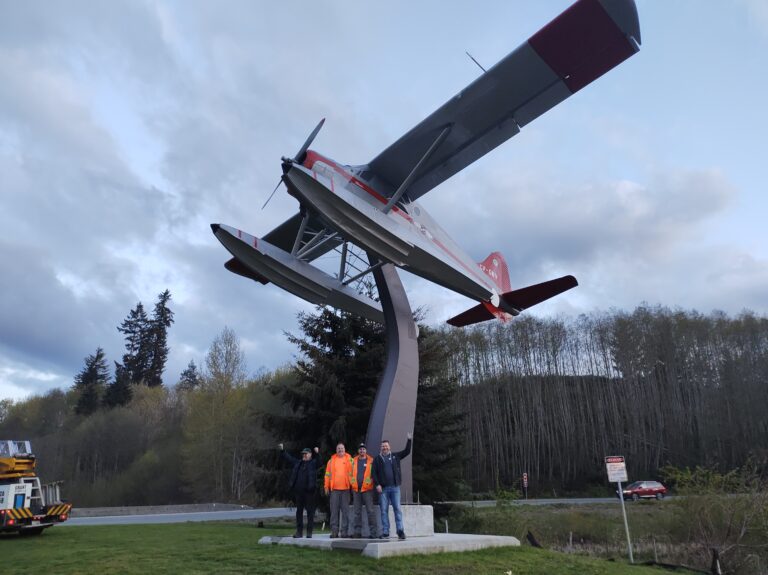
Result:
[
  {"x": 20, "y": 513},
  {"x": 60, "y": 509}
]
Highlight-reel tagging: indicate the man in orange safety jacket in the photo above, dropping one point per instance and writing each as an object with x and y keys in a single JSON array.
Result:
[
  {"x": 362, "y": 492},
  {"x": 338, "y": 480}
]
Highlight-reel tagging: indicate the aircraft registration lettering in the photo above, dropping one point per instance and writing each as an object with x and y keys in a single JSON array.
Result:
[{"x": 492, "y": 273}]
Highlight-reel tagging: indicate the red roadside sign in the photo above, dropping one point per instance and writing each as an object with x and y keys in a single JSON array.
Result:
[{"x": 616, "y": 468}]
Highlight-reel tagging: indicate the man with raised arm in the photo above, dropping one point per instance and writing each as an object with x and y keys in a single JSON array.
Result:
[
  {"x": 303, "y": 486},
  {"x": 387, "y": 478}
]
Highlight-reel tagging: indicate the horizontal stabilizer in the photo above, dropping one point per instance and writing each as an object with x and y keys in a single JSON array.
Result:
[
  {"x": 526, "y": 297},
  {"x": 517, "y": 300},
  {"x": 481, "y": 312}
]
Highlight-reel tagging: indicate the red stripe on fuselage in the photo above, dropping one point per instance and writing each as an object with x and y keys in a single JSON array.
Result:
[{"x": 313, "y": 157}]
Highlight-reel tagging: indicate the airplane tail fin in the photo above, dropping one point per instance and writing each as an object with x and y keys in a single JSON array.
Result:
[
  {"x": 518, "y": 300},
  {"x": 495, "y": 267}
]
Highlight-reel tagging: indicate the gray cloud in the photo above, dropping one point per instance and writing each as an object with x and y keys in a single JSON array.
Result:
[
  {"x": 534, "y": 220},
  {"x": 127, "y": 127}
]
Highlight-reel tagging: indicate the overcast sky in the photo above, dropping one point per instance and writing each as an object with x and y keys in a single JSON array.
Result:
[{"x": 127, "y": 127}]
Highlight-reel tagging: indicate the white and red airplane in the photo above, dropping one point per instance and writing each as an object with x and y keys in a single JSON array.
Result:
[{"x": 373, "y": 206}]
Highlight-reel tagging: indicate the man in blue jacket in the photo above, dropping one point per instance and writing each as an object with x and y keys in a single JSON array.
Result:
[
  {"x": 303, "y": 485},
  {"x": 387, "y": 478}
]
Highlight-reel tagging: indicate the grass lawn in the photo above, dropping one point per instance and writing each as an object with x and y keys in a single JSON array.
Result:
[
  {"x": 218, "y": 547},
  {"x": 554, "y": 525}
]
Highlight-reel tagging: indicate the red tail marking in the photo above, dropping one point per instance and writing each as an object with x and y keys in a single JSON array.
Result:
[
  {"x": 495, "y": 267},
  {"x": 497, "y": 313}
]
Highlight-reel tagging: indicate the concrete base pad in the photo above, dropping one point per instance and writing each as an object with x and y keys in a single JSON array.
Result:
[
  {"x": 378, "y": 548},
  {"x": 417, "y": 521}
]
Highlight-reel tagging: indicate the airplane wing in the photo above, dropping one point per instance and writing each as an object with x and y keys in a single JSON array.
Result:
[{"x": 577, "y": 47}]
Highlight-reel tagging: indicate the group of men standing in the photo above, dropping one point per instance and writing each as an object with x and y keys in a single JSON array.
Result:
[{"x": 360, "y": 475}]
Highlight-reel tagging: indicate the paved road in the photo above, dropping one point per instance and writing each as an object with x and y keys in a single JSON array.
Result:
[
  {"x": 183, "y": 517},
  {"x": 580, "y": 501},
  {"x": 274, "y": 512}
]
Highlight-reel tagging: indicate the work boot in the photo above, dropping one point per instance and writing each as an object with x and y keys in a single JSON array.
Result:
[{"x": 401, "y": 535}]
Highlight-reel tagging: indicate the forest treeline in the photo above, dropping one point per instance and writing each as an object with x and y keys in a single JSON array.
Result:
[{"x": 550, "y": 397}]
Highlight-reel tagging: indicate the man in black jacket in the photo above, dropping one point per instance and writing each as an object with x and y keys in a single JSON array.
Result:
[
  {"x": 303, "y": 485},
  {"x": 387, "y": 478}
]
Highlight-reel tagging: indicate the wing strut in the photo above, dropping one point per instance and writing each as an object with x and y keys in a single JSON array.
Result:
[{"x": 407, "y": 182}]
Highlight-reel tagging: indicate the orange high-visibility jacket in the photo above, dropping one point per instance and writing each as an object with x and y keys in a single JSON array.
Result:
[
  {"x": 367, "y": 481},
  {"x": 338, "y": 472}
]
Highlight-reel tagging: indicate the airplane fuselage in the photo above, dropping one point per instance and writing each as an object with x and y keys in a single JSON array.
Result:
[{"x": 406, "y": 236}]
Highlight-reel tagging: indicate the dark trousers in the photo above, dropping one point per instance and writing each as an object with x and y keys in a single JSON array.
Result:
[
  {"x": 358, "y": 501},
  {"x": 340, "y": 504},
  {"x": 304, "y": 500}
]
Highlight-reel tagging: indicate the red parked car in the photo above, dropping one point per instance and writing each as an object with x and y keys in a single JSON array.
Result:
[{"x": 645, "y": 490}]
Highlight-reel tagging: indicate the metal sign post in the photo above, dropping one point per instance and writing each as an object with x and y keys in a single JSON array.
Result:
[
  {"x": 617, "y": 472},
  {"x": 525, "y": 484}
]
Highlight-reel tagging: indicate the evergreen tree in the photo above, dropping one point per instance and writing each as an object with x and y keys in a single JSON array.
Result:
[
  {"x": 336, "y": 379},
  {"x": 162, "y": 318},
  {"x": 189, "y": 378},
  {"x": 137, "y": 357},
  {"x": 90, "y": 382},
  {"x": 332, "y": 395},
  {"x": 119, "y": 392}
]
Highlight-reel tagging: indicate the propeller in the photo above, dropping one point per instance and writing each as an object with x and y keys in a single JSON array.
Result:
[
  {"x": 280, "y": 181},
  {"x": 297, "y": 159}
]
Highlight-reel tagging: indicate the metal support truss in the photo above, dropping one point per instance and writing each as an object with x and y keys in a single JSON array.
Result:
[
  {"x": 318, "y": 239},
  {"x": 300, "y": 234},
  {"x": 343, "y": 264},
  {"x": 368, "y": 270},
  {"x": 307, "y": 253}
]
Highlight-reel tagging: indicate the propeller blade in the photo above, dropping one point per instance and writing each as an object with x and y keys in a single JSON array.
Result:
[
  {"x": 273, "y": 193},
  {"x": 299, "y": 158}
]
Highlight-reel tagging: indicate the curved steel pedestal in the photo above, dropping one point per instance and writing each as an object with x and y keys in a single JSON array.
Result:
[{"x": 394, "y": 409}]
